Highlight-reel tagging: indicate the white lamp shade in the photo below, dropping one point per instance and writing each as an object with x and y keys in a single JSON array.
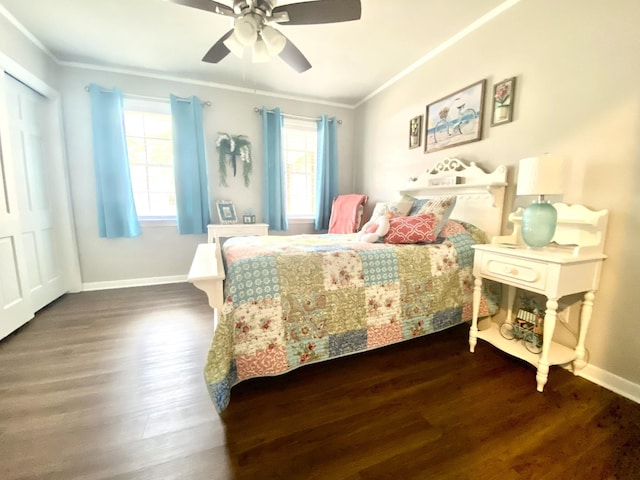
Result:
[
  {"x": 273, "y": 39},
  {"x": 234, "y": 45},
  {"x": 260, "y": 54},
  {"x": 246, "y": 30},
  {"x": 541, "y": 175}
]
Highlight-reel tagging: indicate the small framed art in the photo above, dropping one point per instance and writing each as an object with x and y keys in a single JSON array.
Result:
[
  {"x": 226, "y": 211},
  {"x": 415, "y": 131},
  {"x": 502, "y": 106},
  {"x": 455, "y": 119}
]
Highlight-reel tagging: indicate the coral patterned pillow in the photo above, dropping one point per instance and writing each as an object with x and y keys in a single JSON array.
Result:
[
  {"x": 441, "y": 207},
  {"x": 416, "y": 229}
]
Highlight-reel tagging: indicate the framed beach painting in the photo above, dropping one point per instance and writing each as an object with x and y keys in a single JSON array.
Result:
[
  {"x": 415, "y": 131},
  {"x": 455, "y": 119},
  {"x": 226, "y": 211},
  {"x": 502, "y": 106}
]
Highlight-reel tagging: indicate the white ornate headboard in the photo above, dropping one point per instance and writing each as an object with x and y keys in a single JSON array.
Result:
[{"x": 480, "y": 195}]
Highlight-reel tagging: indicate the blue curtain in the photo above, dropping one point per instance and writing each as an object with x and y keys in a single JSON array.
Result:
[
  {"x": 116, "y": 209},
  {"x": 326, "y": 170},
  {"x": 274, "y": 193},
  {"x": 190, "y": 165}
]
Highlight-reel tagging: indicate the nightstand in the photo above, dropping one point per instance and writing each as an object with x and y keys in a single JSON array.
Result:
[
  {"x": 571, "y": 264},
  {"x": 216, "y": 231}
]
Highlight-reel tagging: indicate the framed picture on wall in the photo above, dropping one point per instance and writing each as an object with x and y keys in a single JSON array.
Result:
[
  {"x": 502, "y": 106},
  {"x": 455, "y": 119},
  {"x": 226, "y": 211},
  {"x": 415, "y": 131}
]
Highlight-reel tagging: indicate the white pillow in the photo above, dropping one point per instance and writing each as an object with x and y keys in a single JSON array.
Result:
[{"x": 398, "y": 209}]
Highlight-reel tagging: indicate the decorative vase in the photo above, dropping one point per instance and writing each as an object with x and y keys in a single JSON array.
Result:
[{"x": 539, "y": 224}]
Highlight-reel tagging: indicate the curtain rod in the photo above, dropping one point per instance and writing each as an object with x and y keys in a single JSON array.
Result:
[
  {"x": 288, "y": 115},
  {"x": 143, "y": 97}
]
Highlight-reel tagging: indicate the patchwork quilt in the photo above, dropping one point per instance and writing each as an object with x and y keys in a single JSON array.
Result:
[{"x": 294, "y": 300}]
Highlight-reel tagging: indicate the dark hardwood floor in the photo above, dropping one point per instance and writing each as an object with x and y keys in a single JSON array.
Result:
[{"x": 109, "y": 385}]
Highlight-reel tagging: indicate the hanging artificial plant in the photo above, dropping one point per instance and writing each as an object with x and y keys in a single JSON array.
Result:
[{"x": 230, "y": 147}]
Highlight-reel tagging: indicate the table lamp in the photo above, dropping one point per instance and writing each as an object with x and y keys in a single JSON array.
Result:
[{"x": 539, "y": 176}]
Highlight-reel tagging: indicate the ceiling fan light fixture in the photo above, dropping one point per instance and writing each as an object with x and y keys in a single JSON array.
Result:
[
  {"x": 260, "y": 53},
  {"x": 273, "y": 39},
  {"x": 251, "y": 30},
  {"x": 246, "y": 30},
  {"x": 234, "y": 45}
]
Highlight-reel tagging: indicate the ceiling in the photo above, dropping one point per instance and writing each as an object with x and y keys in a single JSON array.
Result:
[{"x": 351, "y": 60}]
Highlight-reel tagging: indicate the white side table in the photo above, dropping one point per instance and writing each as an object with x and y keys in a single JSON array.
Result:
[
  {"x": 551, "y": 272},
  {"x": 215, "y": 231}
]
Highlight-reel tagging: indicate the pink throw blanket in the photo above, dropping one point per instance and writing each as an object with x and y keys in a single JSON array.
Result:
[{"x": 345, "y": 213}]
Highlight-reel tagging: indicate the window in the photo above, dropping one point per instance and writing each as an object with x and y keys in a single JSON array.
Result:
[
  {"x": 300, "y": 138},
  {"x": 150, "y": 146}
]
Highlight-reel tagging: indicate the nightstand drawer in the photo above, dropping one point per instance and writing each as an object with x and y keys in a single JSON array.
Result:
[{"x": 532, "y": 274}]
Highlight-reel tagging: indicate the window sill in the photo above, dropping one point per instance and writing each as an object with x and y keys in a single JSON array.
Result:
[
  {"x": 157, "y": 222},
  {"x": 301, "y": 220}
]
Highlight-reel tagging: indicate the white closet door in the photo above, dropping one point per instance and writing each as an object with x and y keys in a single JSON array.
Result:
[
  {"x": 32, "y": 274},
  {"x": 15, "y": 295}
]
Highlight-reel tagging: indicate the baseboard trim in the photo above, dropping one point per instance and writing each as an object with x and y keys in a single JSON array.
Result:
[
  {"x": 611, "y": 382},
  {"x": 133, "y": 282}
]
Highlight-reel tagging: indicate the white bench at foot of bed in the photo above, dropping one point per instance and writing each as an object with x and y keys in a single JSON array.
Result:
[{"x": 207, "y": 273}]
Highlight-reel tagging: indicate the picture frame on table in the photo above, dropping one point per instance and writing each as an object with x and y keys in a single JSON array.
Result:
[
  {"x": 502, "y": 104},
  {"x": 415, "y": 132},
  {"x": 226, "y": 212},
  {"x": 455, "y": 119}
]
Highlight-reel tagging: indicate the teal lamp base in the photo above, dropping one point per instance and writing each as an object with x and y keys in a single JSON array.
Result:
[{"x": 539, "y": 224}]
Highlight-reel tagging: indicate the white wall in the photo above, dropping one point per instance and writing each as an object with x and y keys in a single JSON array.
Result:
[
  {"x": 17, "y": 50},
  {"x": 161, "y": 251},
  {"x": 578, "y": 95}
]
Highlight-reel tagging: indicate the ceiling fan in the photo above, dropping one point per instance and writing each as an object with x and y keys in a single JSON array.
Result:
[{"x": 252, "y": 26}]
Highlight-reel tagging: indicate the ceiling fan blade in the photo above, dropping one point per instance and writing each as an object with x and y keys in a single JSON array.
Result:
[
  {"x": 294, "y": 57},
  {"x": 219, "y": 50},
  {"x": 320, "y": 11},
  {"x": 207, "y": 6}
]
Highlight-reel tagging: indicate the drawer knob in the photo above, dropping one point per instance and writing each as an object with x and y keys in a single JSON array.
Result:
[{"x": 511, "y": 270}]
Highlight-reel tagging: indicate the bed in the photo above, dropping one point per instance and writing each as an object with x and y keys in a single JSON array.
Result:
[{"x": 291, "y": 301}]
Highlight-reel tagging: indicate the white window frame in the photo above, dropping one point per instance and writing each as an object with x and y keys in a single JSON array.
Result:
[
  {"x": 161, "y": 107},
  {"x": 310, "y": 126}
]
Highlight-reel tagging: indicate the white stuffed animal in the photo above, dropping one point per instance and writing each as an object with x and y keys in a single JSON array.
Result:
[{"x": 375, "y": 228}]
